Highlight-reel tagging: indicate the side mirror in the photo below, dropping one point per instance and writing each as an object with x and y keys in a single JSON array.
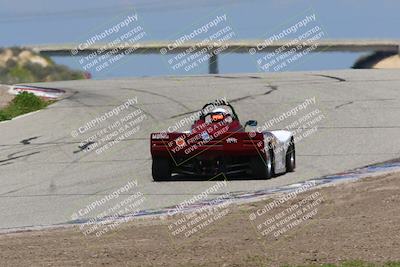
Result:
[{"x": 251, "y": 123}]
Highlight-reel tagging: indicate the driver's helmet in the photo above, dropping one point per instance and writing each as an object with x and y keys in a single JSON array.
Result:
[{"x": 217, "y": 115}]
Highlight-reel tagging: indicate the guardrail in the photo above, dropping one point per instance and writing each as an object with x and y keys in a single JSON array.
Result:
[{"x": 238, "y": 46}]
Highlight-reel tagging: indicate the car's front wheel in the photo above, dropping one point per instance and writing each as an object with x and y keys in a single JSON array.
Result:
[{"x": 161, "y": 169}]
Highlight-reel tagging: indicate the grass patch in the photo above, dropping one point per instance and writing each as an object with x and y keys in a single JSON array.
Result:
[{"x": 23, "y": 103}]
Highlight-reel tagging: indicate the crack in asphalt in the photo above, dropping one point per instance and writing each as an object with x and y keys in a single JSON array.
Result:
[
  {"x": 28, "y": 140},
  {"x": 235, "y": 100},
  {"x": 344, "y": 104},
  {"x": 331, "y": 77},
  {"x": 83, "y": 147},
  {"x": 273, "y": 88}
]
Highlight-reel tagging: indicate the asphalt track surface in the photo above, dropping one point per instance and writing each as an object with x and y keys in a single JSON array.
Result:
[{"x": 45, "y": 177}]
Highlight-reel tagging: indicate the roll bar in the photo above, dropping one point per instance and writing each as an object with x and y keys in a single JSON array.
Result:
[{"x": 219, "y": 103}]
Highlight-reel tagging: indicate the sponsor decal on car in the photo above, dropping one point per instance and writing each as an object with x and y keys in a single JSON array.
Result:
[
  {"x": 231, "y": 140},
  {"x": 160, "y": 136},
  {"x": 180, "y": 142}
]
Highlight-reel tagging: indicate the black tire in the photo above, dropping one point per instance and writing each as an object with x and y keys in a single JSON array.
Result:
[
  {"x": 161, "y": 169},
  {"x": 291, "y": 158},
  {"x": 262, "y": 168}
]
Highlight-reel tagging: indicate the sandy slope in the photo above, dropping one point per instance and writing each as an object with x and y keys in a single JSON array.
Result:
[
  {"x": 353, "y": 221},
  {"x": 392, "y": 62},
  {"x": 4, "y": 96}
]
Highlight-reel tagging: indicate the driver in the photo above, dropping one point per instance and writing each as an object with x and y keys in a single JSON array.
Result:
[{"x": 217, "y": 115}]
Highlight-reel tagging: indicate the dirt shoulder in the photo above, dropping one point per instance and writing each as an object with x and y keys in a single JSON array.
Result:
[
  {"x": 353, "y": 221},
  {"x": 5, "y": 97}
]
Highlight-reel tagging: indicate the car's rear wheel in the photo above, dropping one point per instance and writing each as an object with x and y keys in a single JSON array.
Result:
[
  {"x": 161, "y": 169},
  {"x": 290, "y": 158},
  {"x": 262, "y": 168}
]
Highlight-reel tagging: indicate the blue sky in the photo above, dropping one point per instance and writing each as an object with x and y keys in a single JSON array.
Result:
[{"x": 44, "y": 21}]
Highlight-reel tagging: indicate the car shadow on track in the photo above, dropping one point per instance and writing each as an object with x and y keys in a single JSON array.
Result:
[{"x": 220, "y": 177}]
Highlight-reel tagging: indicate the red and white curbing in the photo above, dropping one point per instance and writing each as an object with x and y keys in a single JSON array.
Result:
[{"x": 38, "y": 91}]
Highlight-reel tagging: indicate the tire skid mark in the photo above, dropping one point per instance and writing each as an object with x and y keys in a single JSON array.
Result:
[
  {"x": 15, "y": 190},
  {"x": 12, "y": 156},
  {"x": 53, "y": 143},
  {"x": 160, "y": 95}
]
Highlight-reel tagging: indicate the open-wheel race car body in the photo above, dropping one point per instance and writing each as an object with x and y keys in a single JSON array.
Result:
[{"x": 218, "y": 143}]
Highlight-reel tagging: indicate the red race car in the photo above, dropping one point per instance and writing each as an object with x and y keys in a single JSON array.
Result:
[{"x": 218, "y": 143}]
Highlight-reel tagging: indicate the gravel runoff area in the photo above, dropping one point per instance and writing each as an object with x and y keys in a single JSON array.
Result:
[{"x": 348, "y": 221}]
